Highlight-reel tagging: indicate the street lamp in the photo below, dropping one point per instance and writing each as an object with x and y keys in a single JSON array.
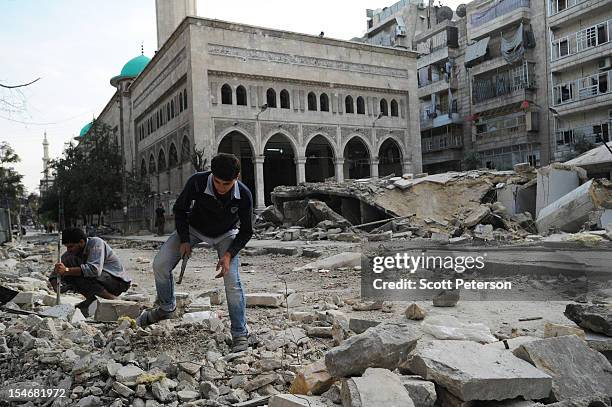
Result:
[{"x": 262, "y": 109}]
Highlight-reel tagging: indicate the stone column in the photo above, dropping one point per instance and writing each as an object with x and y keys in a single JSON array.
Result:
[
  {"x": 300, "y": 163},
  {"x": 407, "y": 165},
  {"x": 374, "y": 167},
  {"x": 259, "y": 182},
  {"x": 339, "y": 169}
]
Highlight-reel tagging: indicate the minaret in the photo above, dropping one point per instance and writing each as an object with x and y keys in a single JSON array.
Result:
[
  {"x": 45, "y": 157},
  {"x": 170, "y": 13}
]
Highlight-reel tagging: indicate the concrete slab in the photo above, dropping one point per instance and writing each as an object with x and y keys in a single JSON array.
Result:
[{"x": 377, "y": 387}]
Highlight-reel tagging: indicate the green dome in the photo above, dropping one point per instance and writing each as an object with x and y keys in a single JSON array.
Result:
[
  {"x": 131, "y": 69},
  {"x": 85, "y": 129},
  {"x": 135, "y": 66}
]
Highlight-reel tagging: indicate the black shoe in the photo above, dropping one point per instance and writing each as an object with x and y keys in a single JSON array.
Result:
[
  {"x": 239, "y": 344},
  {"x": 83, "y": 306},
  {"x": 152, "y": 316}
]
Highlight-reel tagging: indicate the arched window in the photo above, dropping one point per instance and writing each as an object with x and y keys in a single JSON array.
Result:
[
  {"x": 185, "y": 98},
  {"x": 284, "y": 99},
  {"x": 348, "y": 104},
  {"x": 394, "y": 109},
  {"x": 143, "y": 168},
  {"x": 157, "y": 119},
  {"x": 384, "y": 108},
  {"x": 161, "y": 161},
  {"x": 226, "y": 94},
  {"x": 168, "y": 112},
  {"x": 324, "y": 102},
  {"x": 185, "y": 150},
  {"x": 152, "y": 169},
  {"x": 312, "y": 101},
  {"x": 173, "y": 156},
  {"x": 172, "y": 109},
  {"x": 241, "y": 96},
  {"x": 181, "y": 101},
  {"x": 271, "y": 97},
  {"x": 360, "y": 105}
]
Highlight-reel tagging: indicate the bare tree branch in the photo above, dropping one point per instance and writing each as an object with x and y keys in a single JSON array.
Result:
[{"x": 18, "y": 86}]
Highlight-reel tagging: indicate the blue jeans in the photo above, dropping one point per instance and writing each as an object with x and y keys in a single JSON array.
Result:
[{"x": 169, "y": 256}]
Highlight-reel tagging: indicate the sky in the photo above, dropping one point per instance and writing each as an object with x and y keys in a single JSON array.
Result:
[{"x": 76, "y": 46}]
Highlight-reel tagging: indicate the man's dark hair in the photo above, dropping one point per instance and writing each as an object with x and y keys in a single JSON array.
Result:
[
  {"x": 225, "y": 166},
  {"x": 73, "y": 235}
]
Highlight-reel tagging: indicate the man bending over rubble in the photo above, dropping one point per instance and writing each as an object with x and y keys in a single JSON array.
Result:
[
  {"x": 89, "y": 267},
  {"x": 220, "y": 202}
]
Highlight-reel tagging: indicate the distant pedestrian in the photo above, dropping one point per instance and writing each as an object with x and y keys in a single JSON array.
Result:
[{"x": 160, "y": 219}]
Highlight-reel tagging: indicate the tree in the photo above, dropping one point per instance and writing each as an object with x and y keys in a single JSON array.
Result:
[
  {"x": 11, "y": 188},
  {"x": 89, "y": 178},
  {"x": 471, "y": 161}
]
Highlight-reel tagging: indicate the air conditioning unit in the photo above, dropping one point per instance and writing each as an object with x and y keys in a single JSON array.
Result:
[
  {"x": 605, "y": 64},
  {"x": 400, "y": 31},
  {"x": 531, "y": 121}
]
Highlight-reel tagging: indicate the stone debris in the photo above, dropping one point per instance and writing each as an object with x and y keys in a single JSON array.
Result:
[
  {"x": 359, "y": 326},
  {"x": 576, "y": 370},
  {"x": 377, "y": 387},
  {"x": 498, "y": 374},
  {"x": 384, "y": 346},
  {"x": 446, "y": 298},
  {"x": 422, "y": 392},
  {"x": 415, "y": 313},
  {"x": 553, "y": 330},
  {"x": 449, "y": 327},
  {"x": 312, "y": 379},
  {"x": 348, "y": 259},
  {"x": 264, "y": 299},
  {"x": 291, "y": 400},
  {"x": 112, "y": 310},
  {"x": 597, "y": 318}
]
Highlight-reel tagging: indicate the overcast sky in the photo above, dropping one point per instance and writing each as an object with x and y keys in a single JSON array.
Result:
[{"x": 76, "y": 46}]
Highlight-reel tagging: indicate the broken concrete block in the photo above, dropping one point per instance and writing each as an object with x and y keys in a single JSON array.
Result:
[
  {"x": 293, "y": 211},
  {"x": 264, "y": 299},
  {"x": 553, "y": 330},
  {"x": 285, "y": 251},
  {"x": 260, "y": 381},
  {"x": 403, "y": 184},
  {"x": 312, "y": 379},
  {"x": 361, "y": 325},
  {"x": 122, "y": 390},
  {"x": 128, "y": 375},
  {"x": 209, "y": 319},
  {"x": 111, "y": 310},
  {"x": 368, "y": 306},
  {"x": 449, "y": 327},
  {"x": 334, "y": 316},
  {"x": 512, "y": 343},
  {"x": 215, "y": 295},
  {"x": 422, "y": 392},
  {"x": 347, "y": 259},
  {"x": 291, "y": 234},
  {"x": 446, "y": 298},
  {"x": 498, "y": 375},
  {"x": 380, "y": 237},
  {"x": 295, "y": 300},
  {"x": 62, "y": 311},
  {"x": 577, "y": 370},
  {"x": 522, "y": 167},
  {"x": 415, "y": 313},
  {"x": 272, "y": 214},
  {"x": 199, "y": 304},
  {"x": 597, "y": 318},
  {"x": 320, "y": 332},
  {"x": 385, "y": 346},
  {"x": 303, "y": 316},
  {"x": 571, "y": 211},
  {"x": 321, "y": 212},
  {"x": 477, "y": 216},
  {"x": 553, "y": 182},
  {"x": 377, "y": 387},
  {"x": 290, "y": 400}
]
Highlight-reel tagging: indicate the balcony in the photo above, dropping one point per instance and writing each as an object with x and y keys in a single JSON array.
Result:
[
  {"x": 498, "y": 62},
  {"x": 583, "y": 137},
  {"x": 448, "y": 141},
  {"x": 581, "y": 46},
  {"x": 571, "y": 10},
  {"x": 504, "y": 86},
  {"x": 436, "y": 55},
  {"x": 589, "y": 92},
  {"x": 437, "y": 87},
  {"x": 439, "y": 119},
  {"x": 497, "y": 17}
]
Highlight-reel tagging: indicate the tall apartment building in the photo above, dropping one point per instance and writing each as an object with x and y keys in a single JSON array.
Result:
[
  {"x": 580, "y": 74},
  {"x": 444, "y": 102},
  {"x": 506, "y": 66}
]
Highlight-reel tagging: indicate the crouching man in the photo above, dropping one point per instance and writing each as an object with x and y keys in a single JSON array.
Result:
[
  {"x": 220, "y": 203},
  {"x": 89, "y": 267}
]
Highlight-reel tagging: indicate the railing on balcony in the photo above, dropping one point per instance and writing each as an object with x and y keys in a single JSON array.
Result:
[
  {"x": 582, "y": 88},
  {"x": 557, "y": 6},
  {"x": 504, "y": 83},
  {"x": 582, "y": 40},
  {"x": 442, "y": 142},
  {"x": 506, "y": 126},
  {"x": 591, "y": 134},
  {"x": 503, "y": 7}
]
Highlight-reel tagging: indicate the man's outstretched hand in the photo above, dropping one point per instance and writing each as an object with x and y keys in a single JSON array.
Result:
[
  {"x": 185, "y": 250},
  {"x": 223, "y": 264}
]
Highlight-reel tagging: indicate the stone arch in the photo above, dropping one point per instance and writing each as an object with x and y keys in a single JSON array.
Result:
[
  {"x": 162, "y": 165},
  {"x": 185, "y": 149},
  {"x": 357, "y": 155},
  {"x": 384, "y": 107},
  {"x": 312, "y": 102},
  {"x": 173, "y": 160},
  {"x": 394, "y": 108},
  {"x": 226, "y": 94},
  {"x": 362, "y": 138},
  {"x": 152, "y": 164},
  {"x": 279, "y": 167},
  {"x": 143, "y": 168},
  {"x": 242, "y": 131},
  {"x": 241, "y": 96},
  {"x": 236, "y": 142},
  {"x": 349, "y": 106},
  {"x": 285, "y": 100},
  {"x": 390, "y": 157},
  {"x": 331, "y": 140},
  {"x": 291, "y": 137},
  {"x": 271, "y": 97},
  {"x": 320, "y": 158},
  {"x": 360, "y": 105}
]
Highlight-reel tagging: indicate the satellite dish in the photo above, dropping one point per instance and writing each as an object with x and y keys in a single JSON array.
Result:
[
  {"x": 444, "y": 13},
  {"x": 461, "y": 10}
]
